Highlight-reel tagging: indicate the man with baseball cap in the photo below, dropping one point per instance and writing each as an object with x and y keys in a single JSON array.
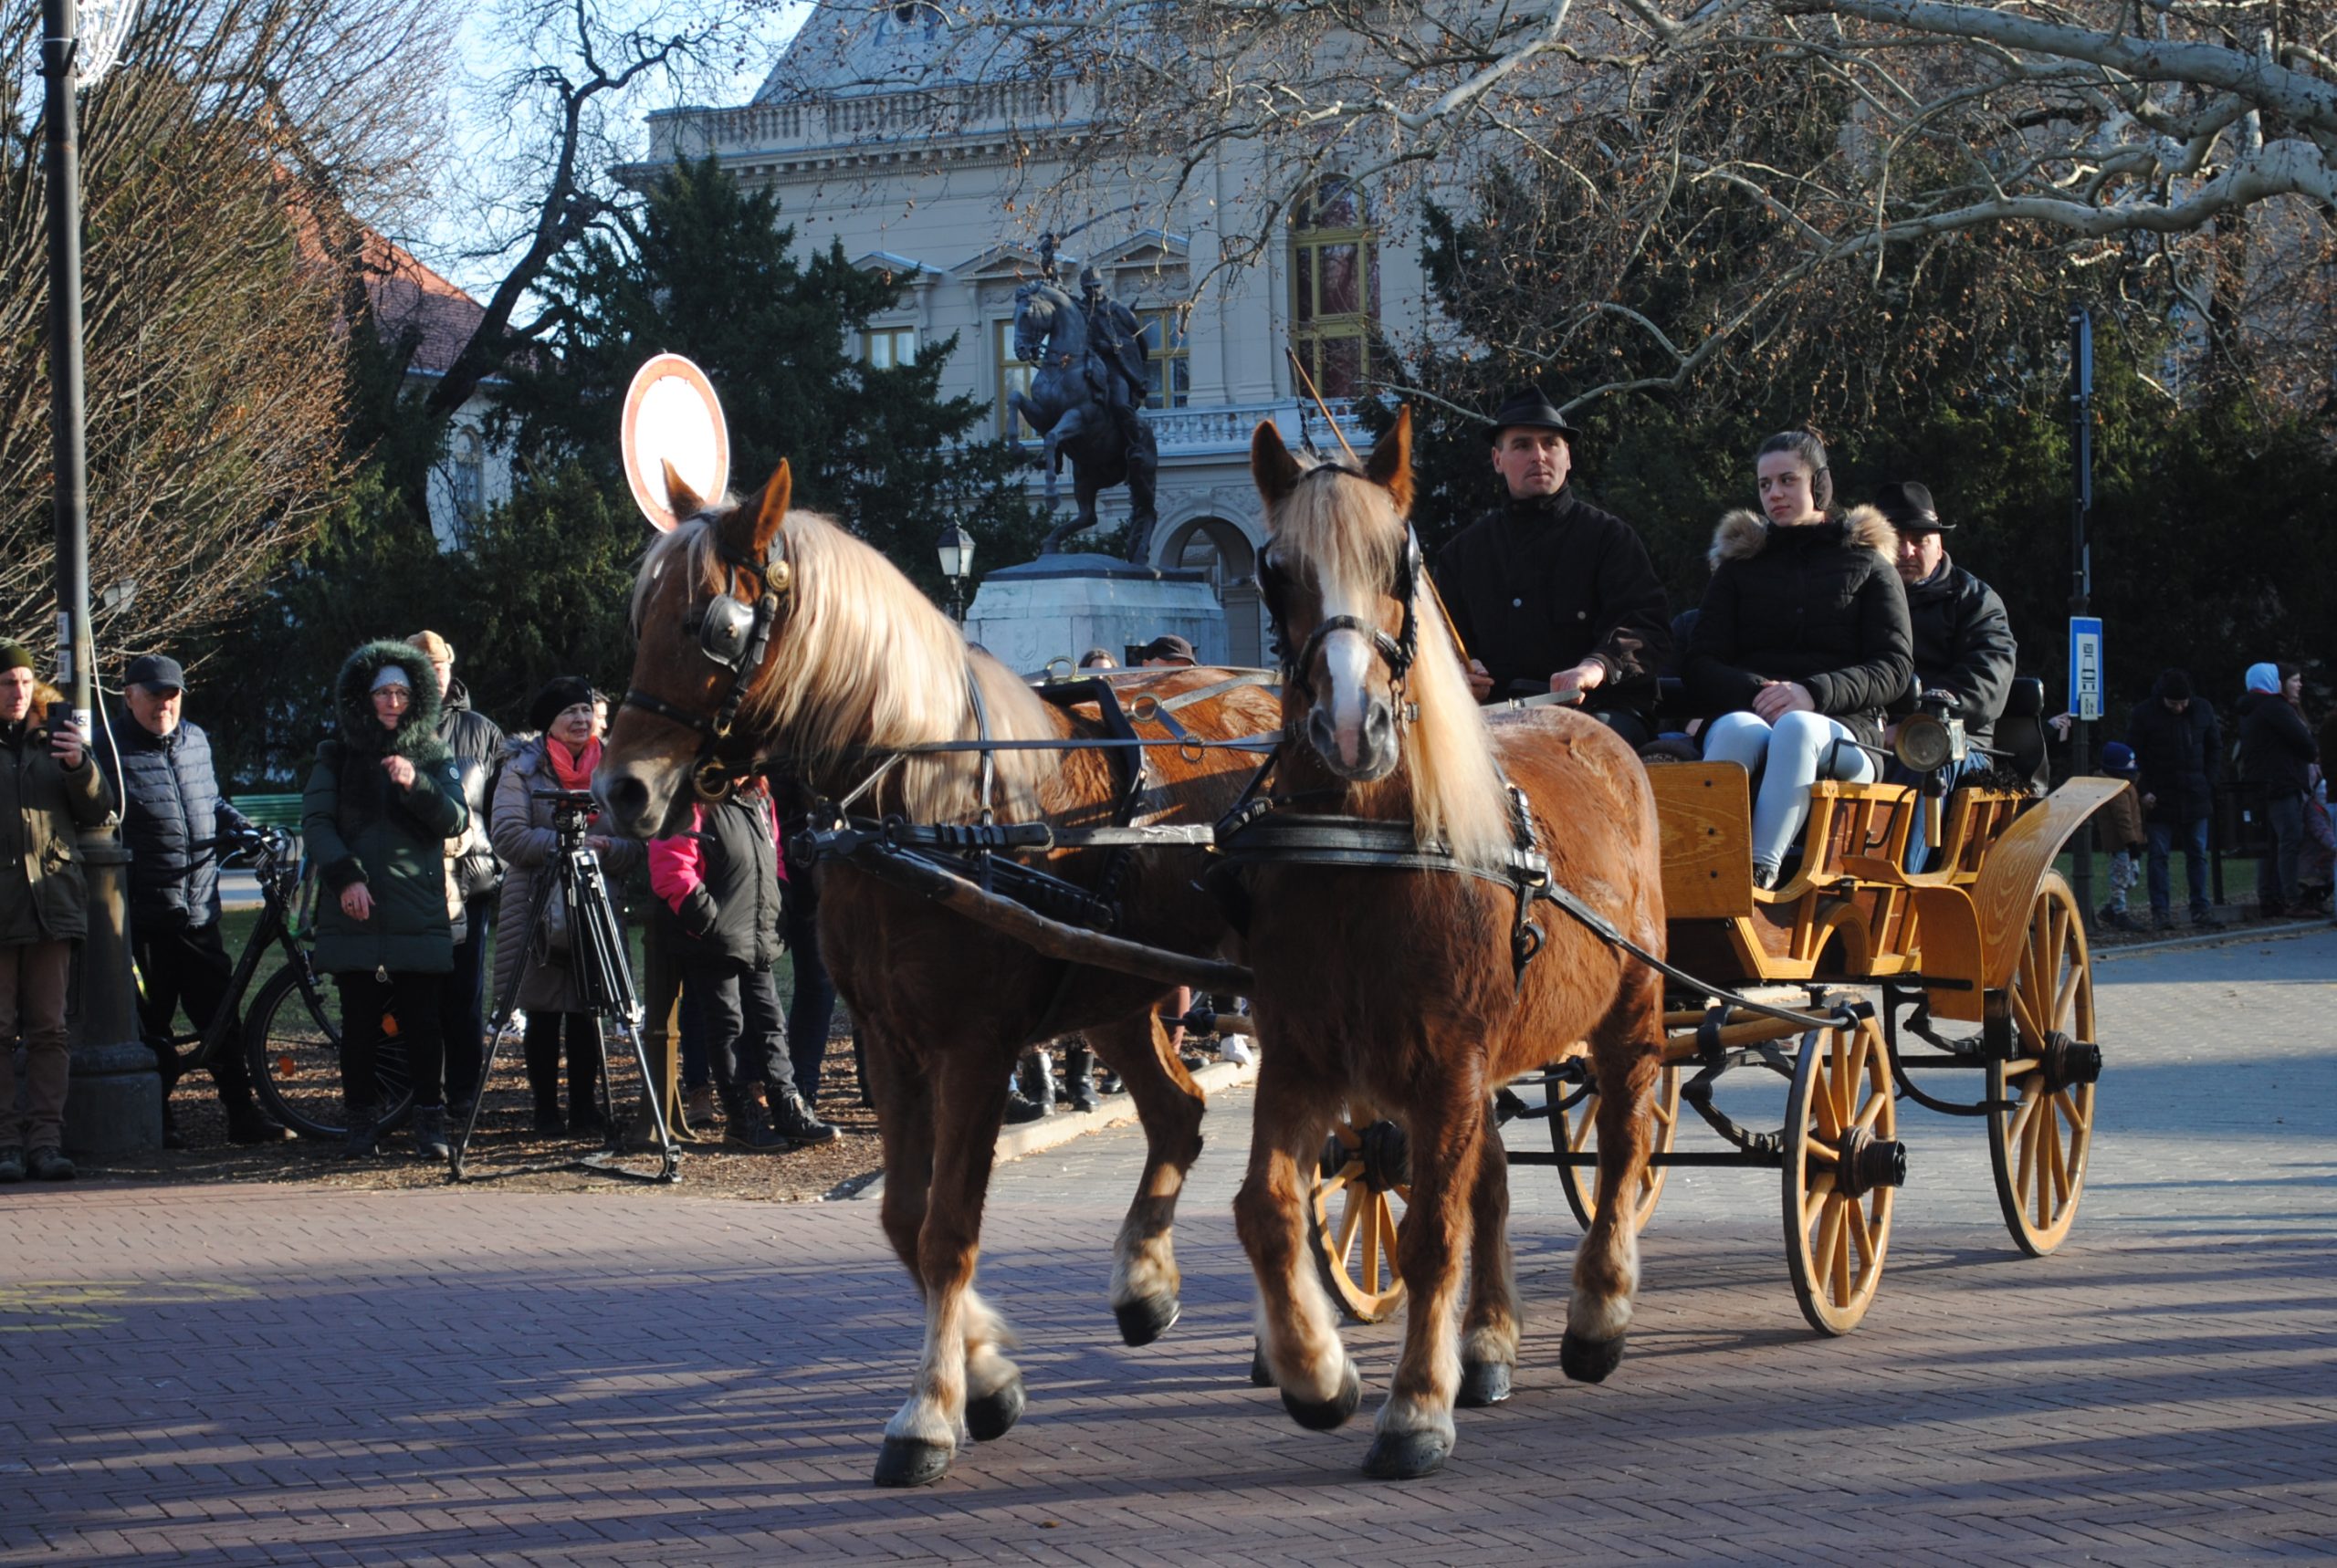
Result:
[
  {"x": 1548, "y": 592},
  {"x": 477, "y": 742},
  {"x": 172, "y": 816}
]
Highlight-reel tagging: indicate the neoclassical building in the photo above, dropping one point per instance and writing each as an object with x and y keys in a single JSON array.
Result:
[{"x": 867, "y": 134}]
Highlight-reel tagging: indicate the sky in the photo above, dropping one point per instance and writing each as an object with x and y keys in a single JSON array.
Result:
[{"x": 477, "y": 132}]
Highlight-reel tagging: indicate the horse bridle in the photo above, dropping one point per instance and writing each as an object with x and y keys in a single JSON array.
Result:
[
  {"x": 1398, "y": 651},
  {"x": 734, "y": 636}
]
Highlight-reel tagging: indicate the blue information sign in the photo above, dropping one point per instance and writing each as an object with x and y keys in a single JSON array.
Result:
[{"x": 2085, "y": 666}]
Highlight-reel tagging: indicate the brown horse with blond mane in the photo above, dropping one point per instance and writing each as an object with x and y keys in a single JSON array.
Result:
[
  {"x": 1393, "y": 992},
  {"x": 860, "y": 665}
]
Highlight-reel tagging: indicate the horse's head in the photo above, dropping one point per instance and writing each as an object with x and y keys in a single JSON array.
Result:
[
  {"x": 1340, "y": 575},
  {"x": 707, "y": 614},
  {"x": 1041, "y": 311}
]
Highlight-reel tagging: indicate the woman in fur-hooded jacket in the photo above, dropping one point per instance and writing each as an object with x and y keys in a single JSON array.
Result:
[
  {"x": 1802, "y": 642},
  {"x": 381, "y": 804}
]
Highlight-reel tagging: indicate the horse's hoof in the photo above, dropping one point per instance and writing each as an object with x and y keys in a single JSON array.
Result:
[
  {"x": 1589, "y": 1360},
  {"x": 1143, "y": 1321},
  {"x": 1323, "y": 1414},
  {"x": 1482, "y": 1383},
  {"x": 1261, "y": 1375},
  {"x": 1405, "y": 1456},
  {"x": 993, "y": 1415},
  {"x": 911, "y": 1462}
]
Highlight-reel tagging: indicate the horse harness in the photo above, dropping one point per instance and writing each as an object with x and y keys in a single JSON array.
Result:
[{"x": 734, "y": 636}]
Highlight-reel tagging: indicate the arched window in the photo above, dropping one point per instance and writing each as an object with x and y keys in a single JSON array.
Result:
[
  {"x": 470, "y": 476},
  {"x": 1335, "y": 283}
]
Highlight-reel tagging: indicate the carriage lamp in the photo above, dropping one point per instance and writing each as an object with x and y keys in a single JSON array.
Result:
[
  {"x": 956, "y": 548},
  {"x": 1932, "y": 737}
]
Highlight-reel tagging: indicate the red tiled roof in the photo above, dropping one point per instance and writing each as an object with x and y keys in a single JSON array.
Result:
[{"x": 409, "y": 298}]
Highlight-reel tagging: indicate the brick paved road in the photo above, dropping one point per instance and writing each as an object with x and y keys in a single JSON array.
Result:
[{"x": 301, "y": 1375}]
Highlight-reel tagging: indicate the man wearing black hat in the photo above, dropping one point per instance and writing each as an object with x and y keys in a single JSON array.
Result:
[
  {"x": 1964, "y": 643},
  {"x": 1549, "y": 593},
  {"x": 171, "y": 817}
]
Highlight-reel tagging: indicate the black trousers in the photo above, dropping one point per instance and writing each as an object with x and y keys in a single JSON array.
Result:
[
  {"x": 745, "y": 1037},
  {"x": 814, "y": 1004},
  {"x": 584, "y": 1032},
  {"x": 413, "y": 1000},
  {"x": 461, "y": 1001},
  {"x": 190, "y": 969}
]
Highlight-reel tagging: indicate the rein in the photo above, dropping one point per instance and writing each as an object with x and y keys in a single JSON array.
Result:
[{"x": 735, "y": 638}]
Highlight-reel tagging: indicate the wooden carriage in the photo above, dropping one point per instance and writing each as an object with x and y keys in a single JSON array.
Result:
[{"x": 1990, "y": 936}]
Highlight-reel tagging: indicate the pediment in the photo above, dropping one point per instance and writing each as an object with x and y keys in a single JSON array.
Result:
[
  {"x": 901, "y": 266},
  {"x": 1009, "y": 261}
]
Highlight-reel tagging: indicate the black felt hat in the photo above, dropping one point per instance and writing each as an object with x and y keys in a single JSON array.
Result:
[
  {"x": 1909, "y": 506},
  {"x": 1527, "y": 407}
]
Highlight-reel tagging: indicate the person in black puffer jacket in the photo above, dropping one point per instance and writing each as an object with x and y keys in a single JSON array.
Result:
[
  {"x": 1802, "y": 642},
  {"x": 172, "y": 816},
  {"x": 381, "y": 802},
  {"x": 719, "y": 884},
  {"x": 2178, "y": 746},
  {"x": 2276, "y": 758},
  {"x": 475, "y": 742}
]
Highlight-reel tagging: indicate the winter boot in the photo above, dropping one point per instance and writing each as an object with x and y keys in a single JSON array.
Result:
[
  {"x": 1079, "y": 1078},
  {"x": 697, "y": 1108},
  {"x": 743, "y": 1126},
  {"x": 12, "y": 1165},
  {"x": 48, "y": 1163},
  {"x": 247, "y": 1124},
  {"x": 792, "y": 1120},
  {"x": 430, "y": 1133},
  {"x": 1036, "y": 1076},
  {"x": 364, "y": 1131}
]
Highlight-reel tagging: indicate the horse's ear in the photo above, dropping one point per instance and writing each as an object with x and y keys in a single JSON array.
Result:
[
  {"x": 1270, "y": 464},
  {"x": 680, "y": 499},
  {"x": 1390, "y": 463},
  {"x": 752, "y": 527}
]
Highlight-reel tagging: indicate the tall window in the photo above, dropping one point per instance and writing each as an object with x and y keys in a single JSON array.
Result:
[
  {"x": 886, "y": 348},
  {"x": 1013, "y": 376},
  {"x": 1168, "y": 367},
  {"x": 469, "y": 475},
  {"x": 1335, "y": 279}
]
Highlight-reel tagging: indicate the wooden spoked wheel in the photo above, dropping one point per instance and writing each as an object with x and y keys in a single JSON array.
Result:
[
  {"x": 2039, "y": 1146},
  {"x": 1576, "y": 1131},
  {"x": 1842, "y": 1166},
  {"x": 1351, "y": 1223}
]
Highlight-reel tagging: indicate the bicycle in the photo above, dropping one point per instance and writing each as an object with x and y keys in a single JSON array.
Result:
[{"x": 291, "y": 1034}]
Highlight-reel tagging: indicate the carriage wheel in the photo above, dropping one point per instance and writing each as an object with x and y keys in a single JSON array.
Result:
[
  {"x": 1360, "y": 1192},
  {"x": 1576, "y": 1131},
  {"x": 1842, "y": 1165},
  {"x": 2039, "y": 1144}
]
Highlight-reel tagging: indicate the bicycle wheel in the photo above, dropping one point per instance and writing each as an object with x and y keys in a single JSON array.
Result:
[{"x": 293, "y": 1037}]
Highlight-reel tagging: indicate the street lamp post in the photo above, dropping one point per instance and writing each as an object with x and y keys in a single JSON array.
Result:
[
  {"x": 956, "y": 548},
  {"x": 116, "y": 1103},
  {"x": 2081, "y": 578}
]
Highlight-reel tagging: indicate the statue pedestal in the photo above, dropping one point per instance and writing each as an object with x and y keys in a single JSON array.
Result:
[{"x": 1059, "y": 606}]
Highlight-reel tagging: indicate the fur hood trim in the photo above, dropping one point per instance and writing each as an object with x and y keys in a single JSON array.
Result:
[
  {"x": 416, "y": 736},
  {"x": 1743, "y": 534}
]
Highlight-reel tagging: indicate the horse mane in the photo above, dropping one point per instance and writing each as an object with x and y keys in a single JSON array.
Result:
[
  {"x": 1349, "y": 531},
  {"x": 863, "y": 660}
]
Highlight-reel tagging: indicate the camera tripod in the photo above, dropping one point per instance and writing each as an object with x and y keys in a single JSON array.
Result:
[{"x": 596, "y": 955}]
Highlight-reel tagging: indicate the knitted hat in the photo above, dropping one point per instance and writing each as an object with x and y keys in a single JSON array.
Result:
[
  {"x": 558, "y": 695},
  {"x": 2118, "y": 758},
  {"x": 2174, "y": 685},
  {"x": 391, "y": 675},
  {"x": 432, "y": 647},
  {"x": 16, "y": 656}
]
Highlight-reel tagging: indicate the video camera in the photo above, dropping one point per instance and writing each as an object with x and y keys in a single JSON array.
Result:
[{"x": 572, "y": 813}]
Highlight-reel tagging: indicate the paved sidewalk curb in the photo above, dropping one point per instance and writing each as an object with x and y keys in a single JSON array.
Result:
[
  {"x": 1117, "y": 1110},
  {"x": 2209, "y": 939}
]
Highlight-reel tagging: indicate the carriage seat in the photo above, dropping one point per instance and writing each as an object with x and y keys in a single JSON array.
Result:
[{"x": 2020, "y": 730}]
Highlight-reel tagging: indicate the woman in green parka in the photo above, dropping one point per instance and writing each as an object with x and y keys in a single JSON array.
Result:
[{"x": 382, "y": 803}]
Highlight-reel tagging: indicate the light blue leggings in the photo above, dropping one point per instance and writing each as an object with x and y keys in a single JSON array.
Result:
[{"x": 1785, "y": 760}]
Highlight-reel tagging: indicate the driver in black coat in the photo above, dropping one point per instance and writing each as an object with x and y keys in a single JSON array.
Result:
[{"x": 1548, "y": 592}]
